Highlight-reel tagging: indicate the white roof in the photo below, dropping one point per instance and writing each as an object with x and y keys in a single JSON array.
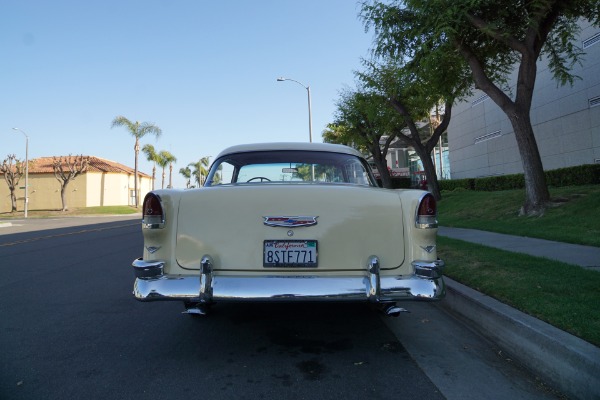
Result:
[{"x": 303, "y": 146}]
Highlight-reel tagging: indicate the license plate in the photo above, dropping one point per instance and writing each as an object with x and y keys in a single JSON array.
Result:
[{"x": 290, "y": 253}]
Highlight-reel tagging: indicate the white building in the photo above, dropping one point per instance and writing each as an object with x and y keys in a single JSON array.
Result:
[{"x": 566, "y": 122}]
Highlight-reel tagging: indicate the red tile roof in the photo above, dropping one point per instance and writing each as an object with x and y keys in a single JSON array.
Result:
[{"x": 43, "y": 165}]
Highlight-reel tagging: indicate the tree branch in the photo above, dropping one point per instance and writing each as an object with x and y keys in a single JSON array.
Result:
[
  {"x": 496, "y": 34},
  {"x": 481, "y": 79}
]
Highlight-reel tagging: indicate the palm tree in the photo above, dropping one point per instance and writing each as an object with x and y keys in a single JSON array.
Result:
[
  {"x": 151, "y": 155},
  {"x": 187, "y": 174},
  {"x": 138, "y": 130},
  {"x": 200, "y": 170},
  {"x": 165, "y": 158},
  {"x": 171, "y": 159}
]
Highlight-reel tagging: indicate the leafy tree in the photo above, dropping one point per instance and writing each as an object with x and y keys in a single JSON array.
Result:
[
  {"x": 365, "y": 120},
  {"x": 490, "y": 39},
  {"x": 340, "y": 134},
  {"x": 151, "y": 155},
  {"x": 13, "y": 169},
  {"x": 187, "y": 174},
  {"x": 137, "y": 130},
  {"x": 412, "y": 93},
  {"x": 66, "y": 169}
]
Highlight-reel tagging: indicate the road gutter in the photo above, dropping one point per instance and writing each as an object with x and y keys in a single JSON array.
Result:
[{"x": 571, "y": 364}]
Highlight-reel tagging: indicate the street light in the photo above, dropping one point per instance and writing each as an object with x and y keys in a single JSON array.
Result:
[
  {"x": 281, "y": 79},
  {"x": 26, "y": 201}
]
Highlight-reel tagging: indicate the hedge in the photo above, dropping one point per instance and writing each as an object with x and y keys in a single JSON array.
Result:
[{"x": 588, "y": 174}]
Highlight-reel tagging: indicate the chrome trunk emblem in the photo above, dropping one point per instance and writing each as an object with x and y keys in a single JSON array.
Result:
[
  {"x": 290, "y": 222},
  {"x": 428, "y": 249},
  {"x": 152, "y": 249}
]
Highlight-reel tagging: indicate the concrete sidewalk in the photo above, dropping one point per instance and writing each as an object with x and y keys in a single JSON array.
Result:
[
  {"x": 584, "y": 256},
  {"x": 570, "y": 364}
]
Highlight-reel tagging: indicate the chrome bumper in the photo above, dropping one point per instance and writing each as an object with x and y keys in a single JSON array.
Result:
[{"x": 151, "y": 285}]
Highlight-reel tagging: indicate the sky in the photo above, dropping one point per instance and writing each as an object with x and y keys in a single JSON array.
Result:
[{"x": 205, "y": 72}]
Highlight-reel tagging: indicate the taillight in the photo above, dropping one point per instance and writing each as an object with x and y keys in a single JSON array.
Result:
[
  {"x": 152, "y": 211},
  {"x": 427, "y": 212}
]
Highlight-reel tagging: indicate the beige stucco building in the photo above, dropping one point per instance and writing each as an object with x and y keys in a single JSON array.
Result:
[{"x": 106, "y": 183}]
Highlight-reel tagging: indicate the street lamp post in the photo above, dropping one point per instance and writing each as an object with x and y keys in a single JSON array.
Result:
[
  {"x": 309, "y": 107},
  {"x": 26, "y": 201}
]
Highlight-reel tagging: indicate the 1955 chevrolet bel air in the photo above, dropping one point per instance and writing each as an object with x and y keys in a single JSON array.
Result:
[{"x": 289, "y": 222}]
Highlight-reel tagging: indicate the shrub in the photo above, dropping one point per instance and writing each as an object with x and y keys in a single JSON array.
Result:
[
  {"x": 574, "y": 176},
  {"x": 588, "y": 174},
  {"x": 453, "y": 184},
  {"x": 501, "y": 182}
]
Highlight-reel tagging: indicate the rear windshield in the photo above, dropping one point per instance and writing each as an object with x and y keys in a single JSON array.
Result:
[{"x": 268, "y": 167}]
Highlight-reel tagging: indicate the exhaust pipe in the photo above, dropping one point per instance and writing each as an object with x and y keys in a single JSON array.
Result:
[
  {"x": 392, "y": 310},
  {"x": 195, "y": 309}
]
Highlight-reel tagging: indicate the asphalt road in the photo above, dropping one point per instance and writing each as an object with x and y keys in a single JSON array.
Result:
[{"x": 71, "y": 329}]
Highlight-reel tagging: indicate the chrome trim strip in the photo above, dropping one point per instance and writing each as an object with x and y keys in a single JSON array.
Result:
[
  {"x": 290, "y": 221},
  {"x": 152, "y": 226},
  {"x": 281, "y": 288}
]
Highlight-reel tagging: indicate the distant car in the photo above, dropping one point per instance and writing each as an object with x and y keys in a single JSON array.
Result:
[{"x": 289, "y": 222}]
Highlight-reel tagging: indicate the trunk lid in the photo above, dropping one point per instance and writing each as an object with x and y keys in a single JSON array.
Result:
[{"x": 227, "y": 223}]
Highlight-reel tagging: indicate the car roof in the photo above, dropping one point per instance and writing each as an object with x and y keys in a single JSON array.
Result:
[{"x": 302, "y": 146}]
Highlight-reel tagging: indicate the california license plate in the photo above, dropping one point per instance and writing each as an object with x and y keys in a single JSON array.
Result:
[{"x": 290, "y": 253}]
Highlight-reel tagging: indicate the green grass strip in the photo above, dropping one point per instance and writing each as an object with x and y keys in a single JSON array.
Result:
[
  {"x": 574, "y": 216},
  {"x": 106, "y": 210},
  {"x": 565, "y": 296}
]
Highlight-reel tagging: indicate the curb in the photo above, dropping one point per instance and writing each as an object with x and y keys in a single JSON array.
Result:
[{"x": 570, "y": 364}]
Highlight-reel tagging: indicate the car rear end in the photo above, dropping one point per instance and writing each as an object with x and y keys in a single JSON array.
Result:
[{"x": 289, "y": 241}]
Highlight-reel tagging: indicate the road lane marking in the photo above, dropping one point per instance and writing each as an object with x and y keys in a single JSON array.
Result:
[{"x": 35, "y": 239}]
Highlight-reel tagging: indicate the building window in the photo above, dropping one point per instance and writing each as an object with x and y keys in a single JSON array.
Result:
[
  {"x": 489, "y": 136},
  {"x": 591, "y": 41},
  {"x": 132, "y": 197},
  {"x": 594, "y": 101},
  {"x": 479, "y": 100}
]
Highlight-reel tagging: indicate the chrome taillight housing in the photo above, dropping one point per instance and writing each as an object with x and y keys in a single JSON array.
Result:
[
  {"x": 426, "y": 212},
  {"x": 153, "y": 216}
]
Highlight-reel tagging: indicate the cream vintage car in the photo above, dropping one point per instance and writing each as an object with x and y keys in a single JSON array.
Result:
[{"x": 289, "y": 222}]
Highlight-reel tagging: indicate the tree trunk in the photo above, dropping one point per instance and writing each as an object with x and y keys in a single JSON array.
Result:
[
  {"x": 424, "y": 150},
  {"x": 381, "y": 163},
  {"x": 13, "y": 201},
  {"x": 153, "y": 175},
  {"x": 135, "y": 174},
  {"x": 537, "y": 195},
  {"x": 430, "y": 174},
  {"x": 518, "y": 112},
  {"x": 384, "y": 174},
  {"x": 63, "y": 197}
]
